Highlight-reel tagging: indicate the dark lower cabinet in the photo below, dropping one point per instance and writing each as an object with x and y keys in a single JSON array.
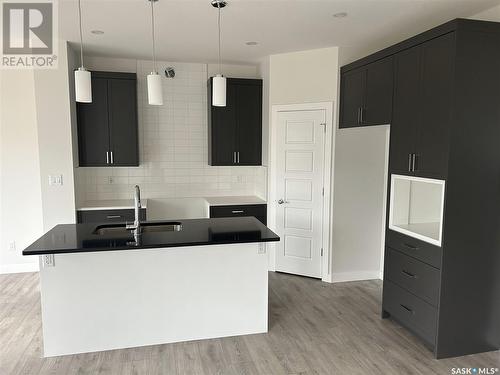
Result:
[
  {"x": 108, "y": 127},
  {"x": 108, "y": 216},
  {"x": 235, "y": 131},
  {"x": 259, "y": 211}
]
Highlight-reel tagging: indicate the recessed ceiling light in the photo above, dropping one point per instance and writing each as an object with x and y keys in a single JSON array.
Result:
[
  {"x": 340, "y": 15},
  {"x": 251, "y": 43},
  {"x": 97, "y": 32}
]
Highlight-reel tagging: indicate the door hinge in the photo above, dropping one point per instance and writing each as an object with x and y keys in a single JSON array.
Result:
[
  {"x": 323, "y": 192},
  {"x": 321, "y": 251},
  {"x": 323, "y": 124}
]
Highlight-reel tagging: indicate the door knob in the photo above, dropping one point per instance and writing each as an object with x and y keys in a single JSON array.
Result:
[{"x": 281, "y": 201}]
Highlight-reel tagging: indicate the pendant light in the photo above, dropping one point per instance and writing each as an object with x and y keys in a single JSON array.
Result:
[
  {"x": 155, "y": 93},
  {"x": 219, "y": 81},
  {"x": 83, "y": 82}
]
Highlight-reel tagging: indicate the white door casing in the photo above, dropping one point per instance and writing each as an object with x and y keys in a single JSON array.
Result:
[{"x": 300, "y": 149}]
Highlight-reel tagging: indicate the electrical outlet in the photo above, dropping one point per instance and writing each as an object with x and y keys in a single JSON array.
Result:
[
  {"x": 262, "y": 248},
  {"x": 48, "y": 260},
  {"x": 56, "y": 180},
  {"x": 12, "y": 246}
]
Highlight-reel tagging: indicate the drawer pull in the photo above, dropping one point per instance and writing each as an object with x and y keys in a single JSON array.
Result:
[
  {"x": 113, "y": 216},
  {"x": 406, "y": 308},
  {"x": 237, "y": 211},
  {"x": 409, "y": 274},
  {"x": 411, "y": 247}
]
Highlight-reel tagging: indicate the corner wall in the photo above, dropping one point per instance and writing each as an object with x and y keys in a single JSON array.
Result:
[
  {"x": 359, "y": 164},
  {"x": 35, "y": 142},
  {"x": 20, "y": 189}
]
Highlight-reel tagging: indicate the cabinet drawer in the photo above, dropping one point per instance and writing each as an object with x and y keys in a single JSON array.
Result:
[
  {"x": 418, "y": 249},
  {"x": 413, "y": 275},
  {"x": 109, "y": 216},
  {"x": 257, "y": 210},
  {"x": 412, "y": 312}
]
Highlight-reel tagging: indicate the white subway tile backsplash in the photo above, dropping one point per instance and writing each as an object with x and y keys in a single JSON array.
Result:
[{"x": 173, "y": 148}]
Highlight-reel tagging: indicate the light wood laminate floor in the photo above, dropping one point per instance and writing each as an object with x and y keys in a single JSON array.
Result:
[{"x": 315, "y": 328}]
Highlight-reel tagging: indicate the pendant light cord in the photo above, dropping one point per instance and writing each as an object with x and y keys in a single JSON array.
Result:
[
  {"x": 218, "y": 24},
  {"x": 81, "y": 33},
  {"x": 153, "y": 34}
]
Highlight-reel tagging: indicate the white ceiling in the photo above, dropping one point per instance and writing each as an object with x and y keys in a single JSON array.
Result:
[{"x": 187, "y": 29}]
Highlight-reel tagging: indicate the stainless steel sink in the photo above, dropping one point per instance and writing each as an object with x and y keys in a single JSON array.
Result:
[{"x": 158, "y": 226}]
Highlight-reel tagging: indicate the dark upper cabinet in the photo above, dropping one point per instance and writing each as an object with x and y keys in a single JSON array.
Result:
[
  {"x": 108, "y": 127},
  {"x": 352, "y": 92},
  {"x": 366, "y": 95},
  {"x": 432, "y": 142},
  {"x": 405, "y": 111},
  {"x": 377, "y": 109},
  {"x": 235, "y": 131},
  {"x": 422, "y": 108}
]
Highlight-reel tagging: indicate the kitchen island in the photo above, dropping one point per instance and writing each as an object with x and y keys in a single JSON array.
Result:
[{"x": 103, "y": 289}]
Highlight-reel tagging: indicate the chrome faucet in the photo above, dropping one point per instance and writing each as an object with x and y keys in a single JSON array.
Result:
[{"x": 136, "y": 226}]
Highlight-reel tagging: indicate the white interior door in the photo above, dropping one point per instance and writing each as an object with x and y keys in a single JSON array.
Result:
[{"x": 299, "y": 191}]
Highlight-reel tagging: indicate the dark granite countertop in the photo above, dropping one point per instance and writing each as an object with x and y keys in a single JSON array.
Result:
[{"x": 80, "y": 238}]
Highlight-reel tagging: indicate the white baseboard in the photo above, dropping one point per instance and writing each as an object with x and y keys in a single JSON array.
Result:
[
  {"x": 342, "y": 277},
  {"x": 19, "y": 268}
]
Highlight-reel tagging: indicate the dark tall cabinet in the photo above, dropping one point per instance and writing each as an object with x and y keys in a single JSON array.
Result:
[
  {"x": 108, "y": 127},
  {"x": 446, "y": 128},
  {"x": 235, "y": 131}
]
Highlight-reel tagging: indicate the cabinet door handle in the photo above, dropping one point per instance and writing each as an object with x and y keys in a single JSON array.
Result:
[
  {"x": 413, "y": 163},
  {"x": 410, "y": 158},
  {"x": 406, "y": 308},
  {"x": 238, "y": 212},
  {"x": 112, "y": 158},
  {"x": 107, "y": 157},
  {"x": 238, "y": 157},
  {"x": 113, "y": 216},
  {"x": 409, "y": 274},
  {"x": 361, "y": 115},
  {"x": 411, "y": 247},
  {"x": 234, "y": 157}
]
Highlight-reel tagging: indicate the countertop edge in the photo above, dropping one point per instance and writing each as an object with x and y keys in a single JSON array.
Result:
[{"x": 163, "y": 246}]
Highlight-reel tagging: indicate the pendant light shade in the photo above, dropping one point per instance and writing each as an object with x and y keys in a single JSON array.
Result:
[
  {"x": 83, "y": 81},
  {"x": 219, "y": 81},
  {"x": 155, "y": 93},
  {"x": 83, "y": 85},
  {"x": 219, "y": 91}
]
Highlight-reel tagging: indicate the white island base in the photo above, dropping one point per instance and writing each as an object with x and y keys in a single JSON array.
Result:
[{"x": 120, "y": 299}]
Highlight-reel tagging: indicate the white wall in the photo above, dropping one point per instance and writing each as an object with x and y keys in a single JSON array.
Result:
[
  {"x": 304, "y": 77},
  {"x": 20, "y": 189},
  {"x": 492, "y": 14},
  {"x": 55, "y": 141},
  {"x": 36, "y": 142},
  {"x": 359, "y": 202}
]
